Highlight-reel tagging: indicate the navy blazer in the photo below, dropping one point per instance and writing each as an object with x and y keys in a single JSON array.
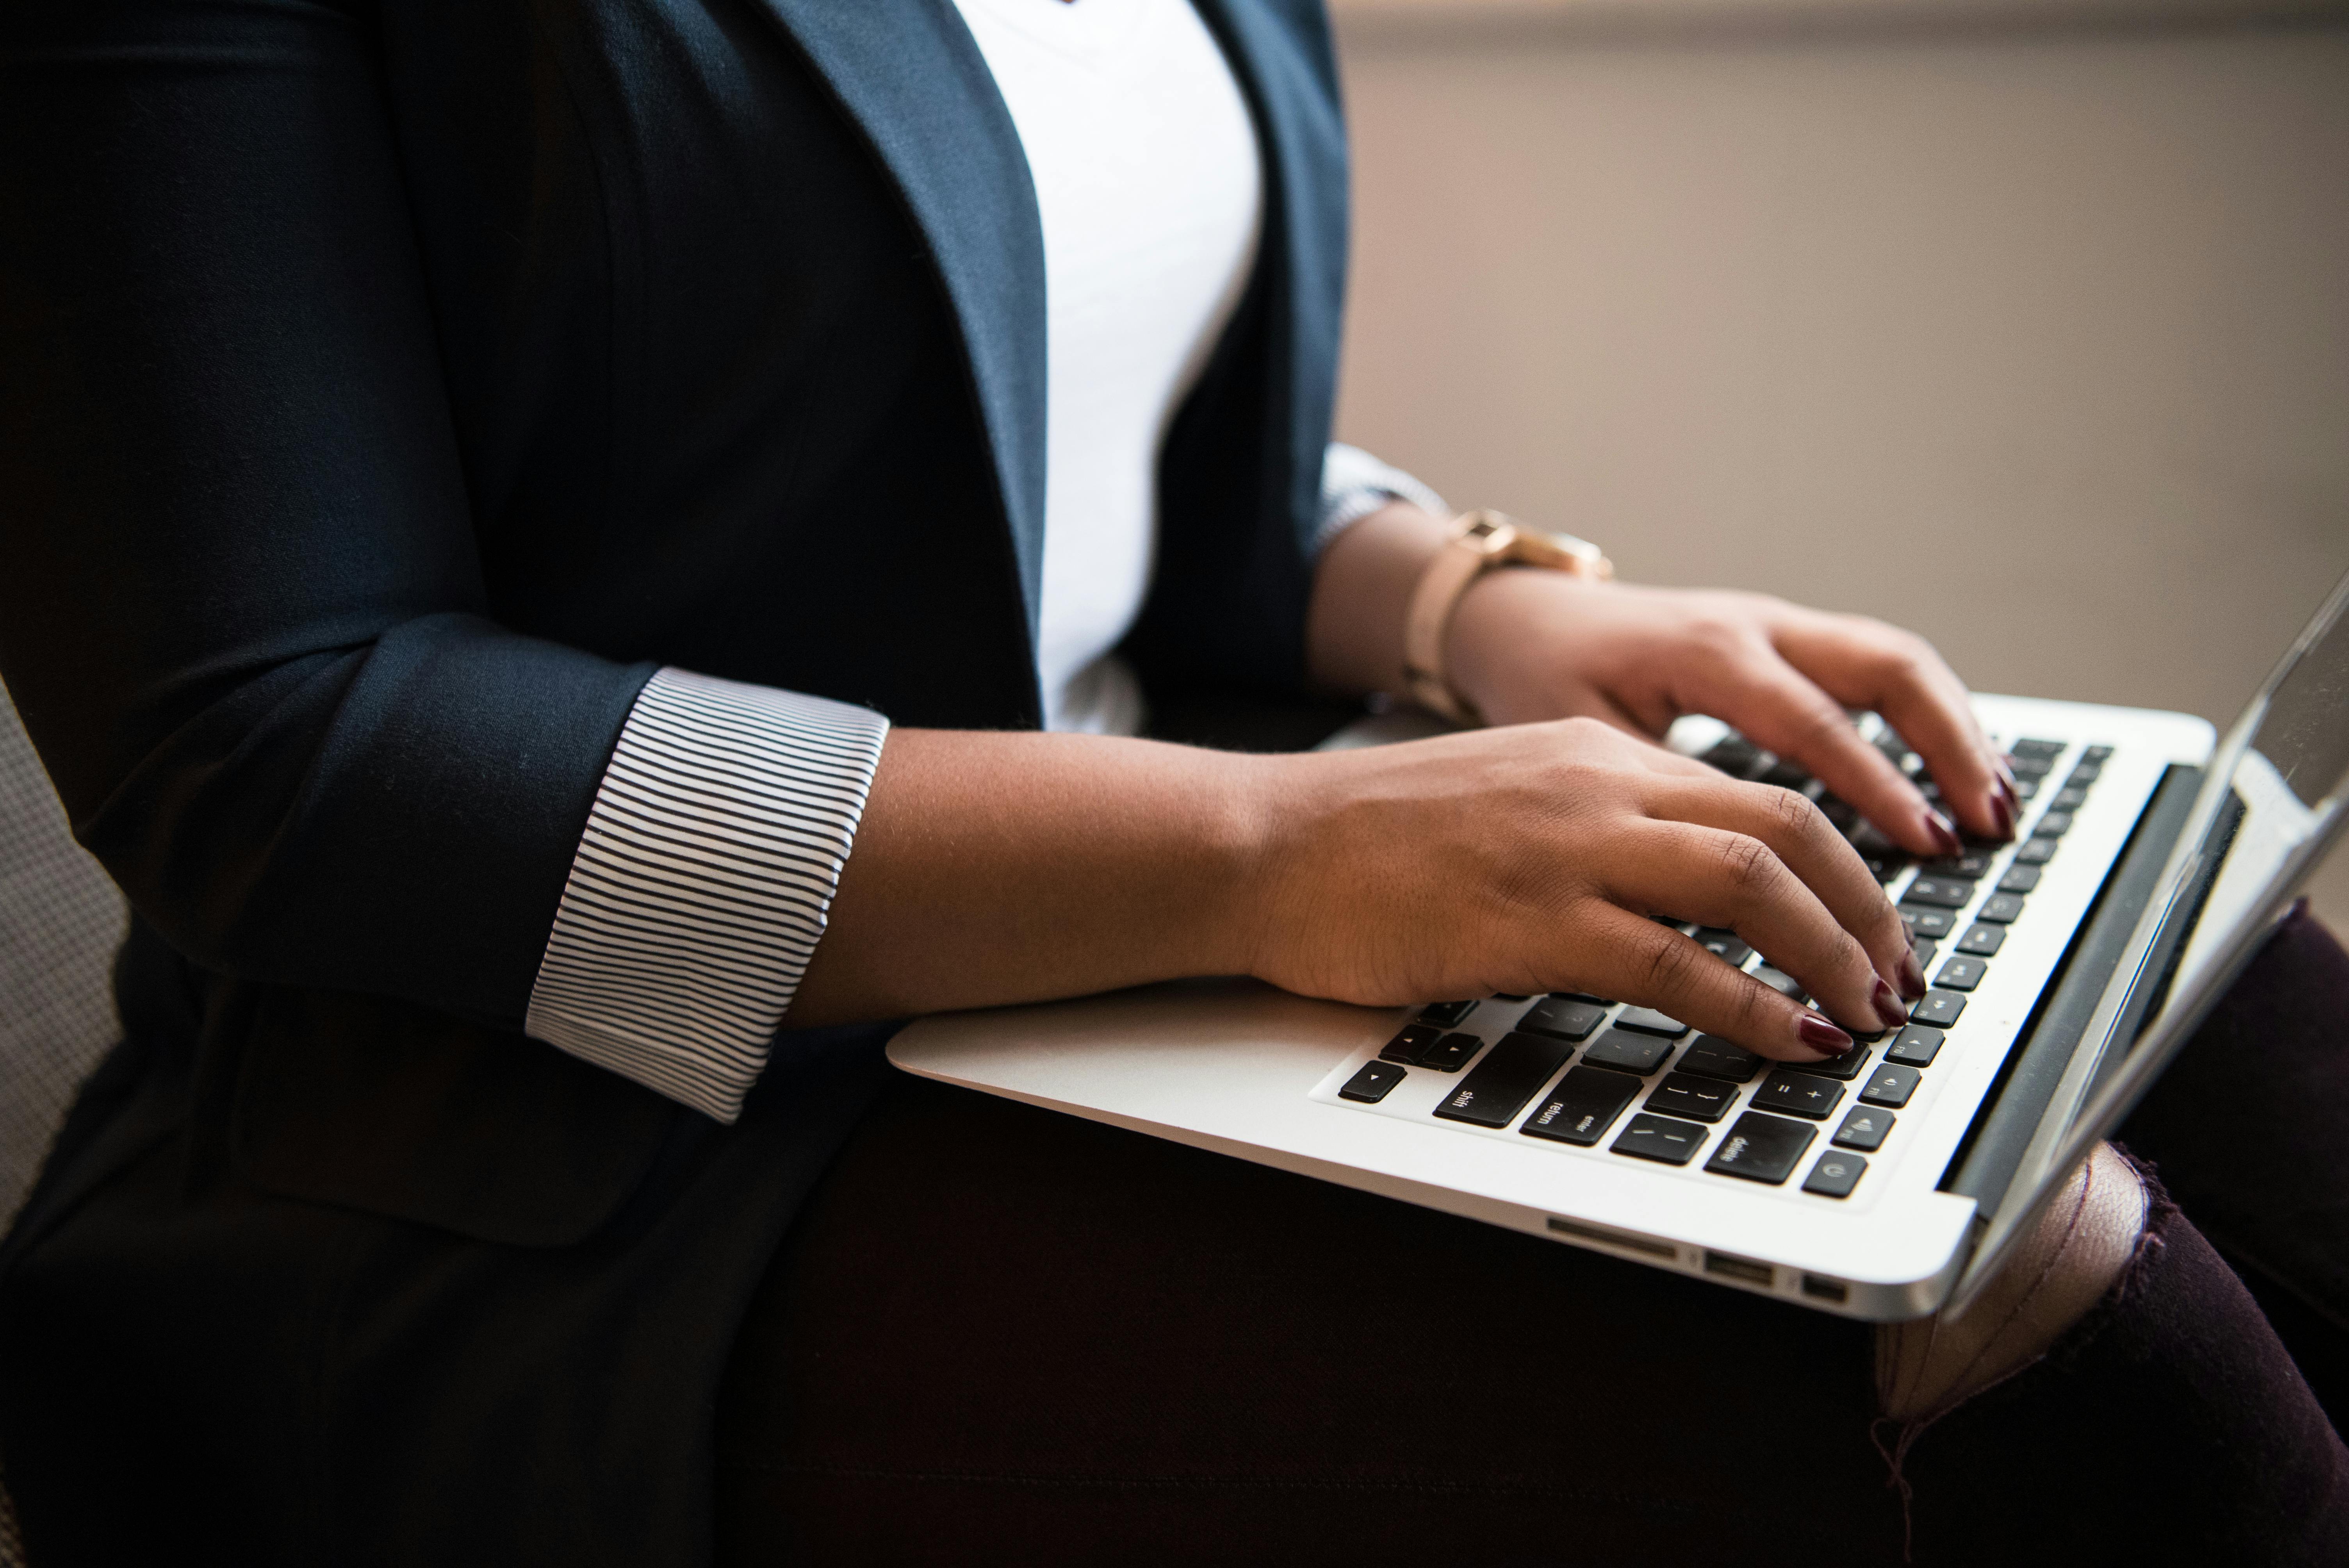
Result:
[{"x": 387, "y": 387}]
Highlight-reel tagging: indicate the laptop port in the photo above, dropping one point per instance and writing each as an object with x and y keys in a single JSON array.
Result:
[
  {"x": 1825, "y": 1289},
  {"x": 1601, "y": 1233},
  {"x": 1737, "y": 1268}
]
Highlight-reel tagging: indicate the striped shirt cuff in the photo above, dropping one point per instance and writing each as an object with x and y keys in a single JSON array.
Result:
[
  {"x": 703, "y": 883},
  {"x": 1355, "y": 484}
]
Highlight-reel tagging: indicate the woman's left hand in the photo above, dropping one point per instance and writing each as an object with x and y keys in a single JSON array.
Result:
[{"x": 1526, "y": 645}]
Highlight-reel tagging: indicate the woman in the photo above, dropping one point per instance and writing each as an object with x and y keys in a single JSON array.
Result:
[{"x": 542, "y": 538}]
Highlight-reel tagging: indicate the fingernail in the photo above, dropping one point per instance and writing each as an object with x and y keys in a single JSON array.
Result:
[
  {"x": 2005, "y": 814},
  {"x": 2006, "y": 776},
  {"x": 1888, "y": 1010},
  {"x": 1821, "y": 1036},
  {"x": 1912, "y": 977},
  {"x": 1943, "y": 833}
]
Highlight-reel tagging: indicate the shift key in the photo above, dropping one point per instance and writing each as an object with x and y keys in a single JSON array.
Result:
[{"x": 1508, "y": 1077}]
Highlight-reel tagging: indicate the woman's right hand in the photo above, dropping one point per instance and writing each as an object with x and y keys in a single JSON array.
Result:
[{"x": 1529, "y": 859}]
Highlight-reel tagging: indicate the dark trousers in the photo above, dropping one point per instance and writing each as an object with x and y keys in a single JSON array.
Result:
[{"x": 1000, "y": 1335}]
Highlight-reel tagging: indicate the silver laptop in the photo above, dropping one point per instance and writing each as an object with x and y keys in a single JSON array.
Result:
[{"x": 2067, "y": 968}]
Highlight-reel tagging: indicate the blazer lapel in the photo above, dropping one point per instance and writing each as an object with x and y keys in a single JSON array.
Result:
[
  {"x": 1282, "y": 54},
  {"x": 908, "y": 72}
]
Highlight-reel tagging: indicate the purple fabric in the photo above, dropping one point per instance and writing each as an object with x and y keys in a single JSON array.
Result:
[
  {"x": 2249, "y": 1131},
  {"x": 1001, "y": 1335}
]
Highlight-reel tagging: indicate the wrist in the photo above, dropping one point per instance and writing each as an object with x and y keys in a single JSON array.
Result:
[
  {"x": 1485, "y": 646},
  {"x": 1275, "y": 799},
  {"x": 1362, "y": 596}
]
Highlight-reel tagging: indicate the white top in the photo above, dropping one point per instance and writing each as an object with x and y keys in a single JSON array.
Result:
[
  {"x": 705, "y": 874},
  {"x": 1146, "y": 168}
]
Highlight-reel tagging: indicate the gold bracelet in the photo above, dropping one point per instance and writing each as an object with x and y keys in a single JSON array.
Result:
[{"x": 1480, "y": 541}]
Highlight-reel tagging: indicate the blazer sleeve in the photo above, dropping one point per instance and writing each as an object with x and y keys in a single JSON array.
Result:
[{"x": 242, "y": 610}]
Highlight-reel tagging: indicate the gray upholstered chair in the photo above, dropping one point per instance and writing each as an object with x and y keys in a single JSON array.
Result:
[{"x": 60, "y": 921}]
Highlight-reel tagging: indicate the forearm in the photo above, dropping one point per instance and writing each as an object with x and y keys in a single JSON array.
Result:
[{"x": 997, "y": 868}]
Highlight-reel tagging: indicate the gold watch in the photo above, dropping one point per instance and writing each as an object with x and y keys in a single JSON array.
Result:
[{"x": 1479, "y": 542}]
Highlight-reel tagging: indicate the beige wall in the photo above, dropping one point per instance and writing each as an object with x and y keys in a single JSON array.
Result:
[{"x": 2037, "y": 341}]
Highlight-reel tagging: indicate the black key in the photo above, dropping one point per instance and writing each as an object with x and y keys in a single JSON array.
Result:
[
  {"x": 1843, "y": 1068},
  {"x": 1982, "y": 940},
  {"x": 2000, "y": 909},
  {"x": 1409, "y": 1047},
  {"x": 1939, "y": 1008},
  {"x": 1798, "y": 1094},
  {"x": 1888, "y": 741},
  {"x": 1968, "y": 867},
  {"x": 1915, "y": 1047},
  {"x": 2044, "y": 750},
  {"x": 1698, "y": 1098},
  {"x": 1582, "y": 1107},
  {"x": 1940, "y": 892},
  {"x": 2019, "y": 879},
  {"x": 1717, "y": 1057},
  {"x": 2086, "y": 774},
  {"x": 2052, "y": 825},
  {"x": 2037, "y": 852},
  {"x": 1567, "y": 1020},
  {"x": 1507, "y": 996},
  {"x": 1450, "y": 1053},
  {"x": 1648, "y": 1021},
  {"x": 1508, "y": 1077},
  {"x": 1840, "y": 814},
  {"x": 1925, "y": 922},
  {"x": 1641, "y": 1054},
  {"x": 1870, "y": 839},
  {"x": 2071, "y": 798},
  {"x": 2030, "y": 767},
  {"x": 1762, "y": 1148},
  {"x": 1835, "y": 1174},
  {"x": 1781, "y": 982},
  {"x": 1926, "y": 947},
  {"x": 1891, "y": 1085},
  {"x": 1370, "y": 1084},
  {"x": 1961, "y": 973},
  {"x": 1445, "y": 1014},
  {"x": 2095, "y": 753},
  {"x": 1660, "y": 1139},
  {"x": 1724, "y": 946},
  {"x": 1883, "y": 868},
  {"x": 1582, "y": 996},
  {"x": 2026, "y": 790},
  {"x": 1863, "y": 1129},
  {"x": 1736, "y": 755},
  {"x": 1785, "y": 775}
]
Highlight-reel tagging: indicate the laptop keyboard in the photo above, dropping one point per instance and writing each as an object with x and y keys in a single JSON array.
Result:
[{"x": 1586, "y": 1072}]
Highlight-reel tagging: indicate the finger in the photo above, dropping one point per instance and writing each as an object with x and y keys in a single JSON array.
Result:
[
  {"x": 1800, "y": 835},
  {"x": 1655, "y": 966},
  {"x": 1779, "y": 707},
  {"x": 1737, "y": 881},
  {"x": 1862, "y": 662}
]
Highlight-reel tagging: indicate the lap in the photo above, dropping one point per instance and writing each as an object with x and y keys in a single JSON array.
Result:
[
  {"x": 997, "y": 1323},
  {"x": 1000, "y": 1334}
]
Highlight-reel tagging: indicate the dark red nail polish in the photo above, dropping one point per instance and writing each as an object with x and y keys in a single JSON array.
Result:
[
  {"x": 1943, "y": 833},
  {"x": 1821, "y": 1036},
  {"x": 1912, "y": 977},
  {"x": 2005, "y": 814},
  {"x": 1888, "y": 1010}
]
